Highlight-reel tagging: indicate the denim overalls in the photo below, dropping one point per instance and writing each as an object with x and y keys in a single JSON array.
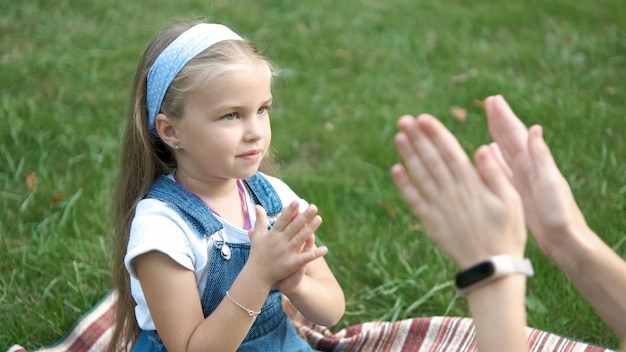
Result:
[{"x": 271, "y": 331}]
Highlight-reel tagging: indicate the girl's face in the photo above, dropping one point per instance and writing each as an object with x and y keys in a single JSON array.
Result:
[{"x": 225, "y": 129}]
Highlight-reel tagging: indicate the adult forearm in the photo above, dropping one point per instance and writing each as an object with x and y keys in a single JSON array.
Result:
[
  {"x": 499, "y": 315},
  {"x": 600, "y": 275}
]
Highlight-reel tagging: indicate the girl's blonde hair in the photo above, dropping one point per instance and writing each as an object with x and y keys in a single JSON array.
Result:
[{"x": 144, "y": 157}]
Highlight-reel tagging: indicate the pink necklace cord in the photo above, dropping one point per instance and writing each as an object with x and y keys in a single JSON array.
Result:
[
  {"x": 242, "y": 197},
  {"x": 244, "y": 205}
]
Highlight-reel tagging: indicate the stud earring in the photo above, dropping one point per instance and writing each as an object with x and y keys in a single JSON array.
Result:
[{"x": 176, "y": 146}]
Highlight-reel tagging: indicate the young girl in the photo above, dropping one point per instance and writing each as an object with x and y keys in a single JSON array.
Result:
[{"x": 206, "y": 242}]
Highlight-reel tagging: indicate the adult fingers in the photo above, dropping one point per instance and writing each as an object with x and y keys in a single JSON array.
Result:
[
  {"x": 408, "y": 190},
  {"x": 505, "y": 127},
  {"x": 444, "y": 146},
  {"x": 540, "y": 155},
  {"x": 550, "y": 192},
  {"x": 511, "y": 135},
  {"x": 493, "y": 175},
  {"x": 497, "y": 153},
  {"x": 423, "y": 161},
  {"x": 417, "y": 175}
]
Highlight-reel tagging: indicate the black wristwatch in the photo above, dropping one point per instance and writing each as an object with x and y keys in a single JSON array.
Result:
[{"x": 490, "y": 270}]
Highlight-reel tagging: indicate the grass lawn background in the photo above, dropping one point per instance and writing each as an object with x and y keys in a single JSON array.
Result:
[{"x": 349, "y": 70}]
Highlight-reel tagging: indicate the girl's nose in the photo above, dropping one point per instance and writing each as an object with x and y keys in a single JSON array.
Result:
[{"x": 254, "y": 127}]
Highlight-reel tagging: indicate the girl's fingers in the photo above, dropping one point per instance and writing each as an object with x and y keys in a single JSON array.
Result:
[
  {"x": 301, "y": 219},
  {"x": 260, "y": 224},
  {"x": 310, "y": 255},
  {"x": 309, "y": 244},
  {"x": 286, "y": 216},
  {"x": 306, "y": 230}
]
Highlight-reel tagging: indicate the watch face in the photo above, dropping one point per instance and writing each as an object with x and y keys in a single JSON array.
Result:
[{"x": 475, "y": 274}]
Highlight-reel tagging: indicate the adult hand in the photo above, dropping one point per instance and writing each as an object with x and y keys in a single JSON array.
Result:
[
  {"x": 470, "y": 213},
  {"x": 278, "y": 253},
  {"x": 549, "y": 205}
]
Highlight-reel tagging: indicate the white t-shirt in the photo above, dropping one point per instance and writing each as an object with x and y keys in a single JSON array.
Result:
[{"x": 157, "y": 227}]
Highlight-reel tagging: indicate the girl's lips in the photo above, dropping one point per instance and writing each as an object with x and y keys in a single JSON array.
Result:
[{"x": 252, "y": 155}]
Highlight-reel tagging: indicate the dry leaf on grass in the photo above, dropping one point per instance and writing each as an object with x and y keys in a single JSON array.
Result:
[
  {"x": 58, "y": 198},
  {"x": 459, "y": 113},
  {"x": 464, "y": 77},
  {"x": 31, "y": 181},
  {"x": 479, "y": 103},
  {"x": 388, "y": 208},
  {"x": 415, "y": 227},
  {"x": 611, "y": 90}
]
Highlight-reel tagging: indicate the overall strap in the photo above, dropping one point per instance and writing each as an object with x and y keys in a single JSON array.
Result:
[
  {"x": 264, "y": 194},
  {"x": 197, "y": 215}
]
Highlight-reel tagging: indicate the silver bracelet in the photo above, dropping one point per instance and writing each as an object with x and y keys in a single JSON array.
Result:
[{"x": 250, "y": 312}]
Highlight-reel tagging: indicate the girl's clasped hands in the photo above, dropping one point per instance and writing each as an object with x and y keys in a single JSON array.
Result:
[{"x": 282, "y": 253}]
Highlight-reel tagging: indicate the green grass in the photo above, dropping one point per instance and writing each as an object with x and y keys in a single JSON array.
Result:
[{"x": 349, "y": 69}]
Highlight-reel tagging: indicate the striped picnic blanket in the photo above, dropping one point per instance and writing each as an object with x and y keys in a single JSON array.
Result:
[{"x": 91, "y": 333}]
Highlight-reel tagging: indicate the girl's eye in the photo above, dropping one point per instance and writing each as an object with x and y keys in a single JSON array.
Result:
[
  {"x": 262, "y": 110},
  {"x": 230, "y": 117}
]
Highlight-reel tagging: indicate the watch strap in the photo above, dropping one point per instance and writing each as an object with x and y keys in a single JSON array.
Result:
[{"x": 489, "y": 270}]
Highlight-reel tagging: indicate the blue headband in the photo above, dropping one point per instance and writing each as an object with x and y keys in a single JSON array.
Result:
[{"x": 175, "y": 57}]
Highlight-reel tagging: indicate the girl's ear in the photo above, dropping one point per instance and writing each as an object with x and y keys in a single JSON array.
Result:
[{"x": 167, "y": 129}]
